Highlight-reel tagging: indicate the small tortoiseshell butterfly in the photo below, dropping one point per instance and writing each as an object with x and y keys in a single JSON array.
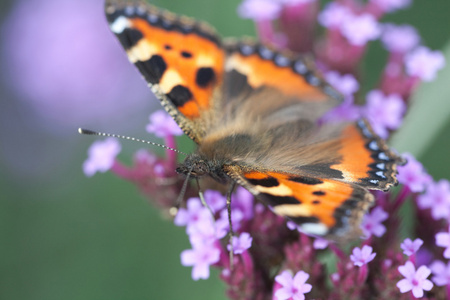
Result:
[{"x": 254, "y": 113}]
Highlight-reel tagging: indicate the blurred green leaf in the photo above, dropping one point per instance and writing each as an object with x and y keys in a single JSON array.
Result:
[{"x": 428, "y": 115}]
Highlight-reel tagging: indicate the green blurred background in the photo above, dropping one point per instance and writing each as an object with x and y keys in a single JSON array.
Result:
[{"x": 65, "y": 236}]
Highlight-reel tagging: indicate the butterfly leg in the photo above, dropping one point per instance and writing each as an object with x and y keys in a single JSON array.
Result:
[
  {"x": 202, "y": 199},
  {"x": 230, "y": 234}
]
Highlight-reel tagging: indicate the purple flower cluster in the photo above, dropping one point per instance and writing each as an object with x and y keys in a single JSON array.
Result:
[{"x": 275, "y": 261}]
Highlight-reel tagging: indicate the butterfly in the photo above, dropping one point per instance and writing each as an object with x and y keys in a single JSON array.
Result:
[{"x": 255, "y": 114}]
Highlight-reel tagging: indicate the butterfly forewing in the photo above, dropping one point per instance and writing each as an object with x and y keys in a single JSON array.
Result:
[{"x": 181, "y": 59}]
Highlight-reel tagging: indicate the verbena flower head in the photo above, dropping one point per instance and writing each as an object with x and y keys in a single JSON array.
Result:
[
  {"x": 372, "y": 222},
  {"x": 385, "y": 112},
  {"x": 200, "y": 258},
  {"x": 259, "y": 9},
  {"x": 410, "y": 247},
  {"x": 163, "y": 125},
  {"x": 400, "y": 39},
  {"x": 413, "y": 174},
  {"x": 441, "y": 272},
  {"x": 334, "y": 15},
  {"x": 362, "y": 256},
  {"x": 102, "y": 155},
  {"x": 392, "y": 5},
  {"x": 241, "y": 243},
  {"x": 437, "y": 198},
  {"x": 359, "y": 29},
  {"x": 443, "y": 240},
  {"x": 292, "y": 287},
  {"x": 415, "y": 281},
  {"x": 424, "y": 63}
]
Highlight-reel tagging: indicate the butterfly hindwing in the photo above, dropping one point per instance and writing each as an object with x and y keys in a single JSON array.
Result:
[
  {"x": 365, "y": 158},
  {"x": 181, "y": 59},
  {"x": 320, "y": 207}
]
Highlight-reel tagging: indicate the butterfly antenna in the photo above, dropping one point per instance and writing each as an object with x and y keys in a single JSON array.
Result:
[{"x": 91, "y": 132}]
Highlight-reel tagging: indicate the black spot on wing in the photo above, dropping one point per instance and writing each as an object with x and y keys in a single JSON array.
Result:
[
  {"x": 205, "y": 76},
  {"x": 152, "y": 69},
  {"x": 179, "y": 95},
  {"x": 305, "y": 180},
  {"x": 303, "y": 220},
  {"x": 266, "y": 182},
  {"x": 319, "y": 193},
  {"x": 274, "y": 200},
  {"x": 129, "y": 37},
  {"x": 186, "y": 54}
]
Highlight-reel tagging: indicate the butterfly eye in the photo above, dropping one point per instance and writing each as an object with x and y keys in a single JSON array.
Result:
[{"x": 200, "y": 168}]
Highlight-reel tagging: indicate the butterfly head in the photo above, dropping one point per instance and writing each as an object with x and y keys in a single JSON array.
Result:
[{"x": 197, "y": 166}]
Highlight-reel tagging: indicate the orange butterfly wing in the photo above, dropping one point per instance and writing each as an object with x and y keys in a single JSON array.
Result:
[
  {"x": 321, "y": 207},
  {"x": 181, "y": 59}
]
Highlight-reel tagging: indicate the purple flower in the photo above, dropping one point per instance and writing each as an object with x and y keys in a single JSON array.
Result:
[
  {"x": 320, "y": 243},
  {"x": 371, "y": 223},
  {"x": 362, "y": 256},
  {"x": 384, "y": 112},
  {"x": 241, "y": 243},
  {"x": 191, "y": 214},
  {"x": 391, "y": 5},
  {"x": 200, "y": 225},
  {"x": 443, "y": 240},
  {"x": 413, "y": 175},
  {"x": 410, "y": 247},
  {"x": 399, "y": 39},
  {"x": 242, "y": 200},
  {"x": 414, "y": 280},
  {"x": 294, "y": 288},
  {"x": 215, "y": 200},
  {"x": 236, "y": 219},
  {"x": 424, "y": 63},
  {"x": 360, "y": 29},
  {"x": 101, "y": 156},
  {"x": 346, "y": 84},
  {"x": 441, "y": 273},
  {"x": 259, "y": 9},
  {"x": 291, "y": 225},
  {"x": 76, "y": 72},
  {"x": 200, "y": 257},
  {"x": 333, "y": 15},
  {"x": 162, "y": 125},
  {"x": 346, "y": 111},
  {"x": 436, "y": 197}
]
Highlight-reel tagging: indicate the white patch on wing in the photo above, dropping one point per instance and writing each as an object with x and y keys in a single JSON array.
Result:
[
  {"x": 280, "y": 190},
  {"x": 314, "y": 228},
  {"x": 170, "y": 79},
  {"x": 120, "y": 24},
  {"x": 292, "y": 210},
  {"x": 142, "y": 51}
]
